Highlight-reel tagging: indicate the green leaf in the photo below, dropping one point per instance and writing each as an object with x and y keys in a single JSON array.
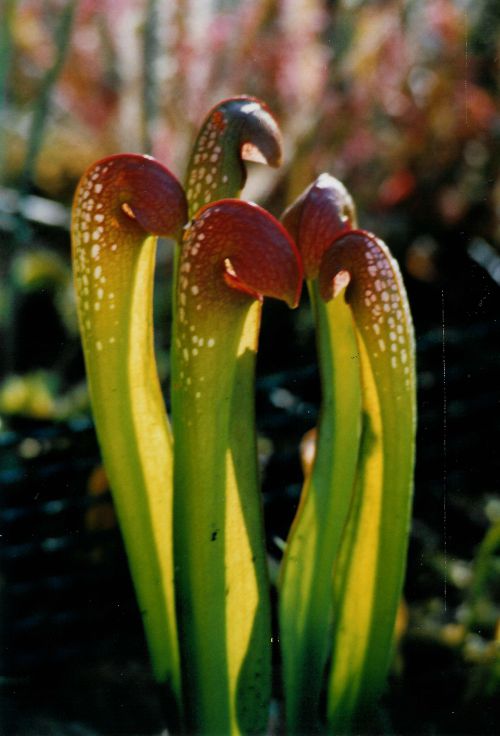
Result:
[
  {"x": 235, "y": 130},
  {"x": 233, "y": 254},
  {"x": 120, "y": 202},
  {"x": 315, "y": 537},
  {"x": 305, "y": 595},
  {"x": 369, "y": 574}
]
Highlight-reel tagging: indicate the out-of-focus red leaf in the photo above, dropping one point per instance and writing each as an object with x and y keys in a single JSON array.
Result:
[{"x": 396, "y": 188}]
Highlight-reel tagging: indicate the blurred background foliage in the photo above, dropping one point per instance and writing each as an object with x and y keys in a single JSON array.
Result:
[{"x": 399, "y": 99}]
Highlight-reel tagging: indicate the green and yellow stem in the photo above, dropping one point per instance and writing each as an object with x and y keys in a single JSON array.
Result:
[
  {"x": 315, "y": 537},
  {"x": 121, "y": 204},
  {"x": 305, "y": 603},
  {"x": 234, "y": 131},
  {"x": 233, "y": 254},
  {"x": 368, "y": 575}
]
